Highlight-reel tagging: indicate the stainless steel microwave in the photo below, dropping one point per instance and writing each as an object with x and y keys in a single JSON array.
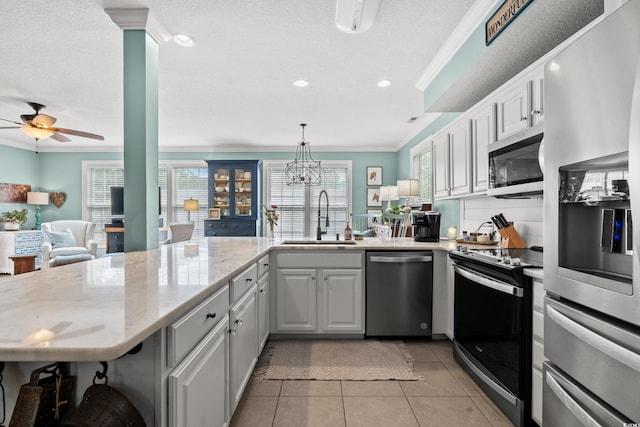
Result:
[{"x": 515, "y": 165}]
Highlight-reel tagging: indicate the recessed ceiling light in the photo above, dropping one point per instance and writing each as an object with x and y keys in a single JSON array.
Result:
[
  {"x": 183, "y": 40},
  {"x": 554, "y": 66},
  {"x": 383, "y": 83},
  {"x": 301, "y": 83}
]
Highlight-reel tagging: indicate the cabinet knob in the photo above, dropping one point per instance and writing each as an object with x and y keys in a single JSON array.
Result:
[
  {"x": 262, "y": 291},
  {"x": 249, "y": 279},
  {"x": 239, "y": 322},
  {"x": 266, "y": 264},
  {"x": 535, "y": 112},
  {"x": 523, "y": 118},
  {"x": 211, "y": 315}
]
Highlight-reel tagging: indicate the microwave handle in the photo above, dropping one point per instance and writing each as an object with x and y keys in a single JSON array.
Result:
[{"x": 489, "y": 282}]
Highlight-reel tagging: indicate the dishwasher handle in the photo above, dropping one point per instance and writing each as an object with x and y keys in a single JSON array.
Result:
[{"x": 406, "y": 258}]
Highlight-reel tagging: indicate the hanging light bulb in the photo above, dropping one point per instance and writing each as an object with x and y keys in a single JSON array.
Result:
[
  {"x": 36, "y": 132},
  {"x": 303, "y": 169}
]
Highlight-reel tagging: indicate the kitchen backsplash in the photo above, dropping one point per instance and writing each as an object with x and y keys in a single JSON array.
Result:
[{"x": 526, "y": 215}]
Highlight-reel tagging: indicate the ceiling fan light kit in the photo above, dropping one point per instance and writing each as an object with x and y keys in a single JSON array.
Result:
[
  {"x": 356, "y": 16},
  {"x": 303, "y": 169}
]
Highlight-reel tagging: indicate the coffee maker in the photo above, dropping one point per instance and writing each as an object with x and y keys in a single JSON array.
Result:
[{"x": 426, "y": 226}]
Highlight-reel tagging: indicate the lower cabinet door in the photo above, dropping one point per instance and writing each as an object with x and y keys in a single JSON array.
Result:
[
  {"x": 198, "y": 387},
  {"x": 296, "y": 300},
  {"x": 263, "y": 311},
  {"x": 342, "y": 300},
  {"x": 243, "y": 321}
]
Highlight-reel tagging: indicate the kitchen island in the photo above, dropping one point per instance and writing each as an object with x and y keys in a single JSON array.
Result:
[{"x": 99, "y": 310}]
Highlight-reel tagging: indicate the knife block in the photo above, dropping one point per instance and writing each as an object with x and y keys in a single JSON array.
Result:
[{"x": 509, "y": 237}]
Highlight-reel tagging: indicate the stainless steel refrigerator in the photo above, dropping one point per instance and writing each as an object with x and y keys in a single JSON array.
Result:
[{"x": 591, "y": 259}]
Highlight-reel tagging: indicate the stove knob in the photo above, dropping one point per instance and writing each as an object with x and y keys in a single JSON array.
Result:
[
  {"x": 464, "y": 249},
  {"x": 515, "y": 261},
  {"x": 459, "y": 248},
  {"x": 506, "y": 259}
]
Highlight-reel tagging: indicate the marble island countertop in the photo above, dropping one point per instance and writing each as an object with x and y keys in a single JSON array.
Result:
[{"x": 99, "y": 310}]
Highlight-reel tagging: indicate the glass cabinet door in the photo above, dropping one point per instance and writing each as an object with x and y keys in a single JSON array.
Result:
[
  {"x": 221, "y": 194},
  {"x": 243, "y": 179}
]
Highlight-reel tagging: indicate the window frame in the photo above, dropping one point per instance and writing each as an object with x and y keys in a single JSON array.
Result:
[{"x": 415, "y": 155}]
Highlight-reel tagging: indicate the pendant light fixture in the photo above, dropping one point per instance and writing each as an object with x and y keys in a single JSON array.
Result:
[{"x": 303, "y": 169}]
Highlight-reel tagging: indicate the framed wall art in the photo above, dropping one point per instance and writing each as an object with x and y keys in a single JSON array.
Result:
[
  {"x": 373, "y": 197},
  {"x": 374, "y": 175},
  {"x": 14, "y": 193},
  {"x": 214, "y": 213}
]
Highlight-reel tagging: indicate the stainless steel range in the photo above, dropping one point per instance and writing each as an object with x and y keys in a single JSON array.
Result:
[{"x": 492, "y": 324}]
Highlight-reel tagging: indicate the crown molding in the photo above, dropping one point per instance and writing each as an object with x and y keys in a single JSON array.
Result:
[
  {"x": 470, "y": 22},
  {"x": 139, "y": 19}
]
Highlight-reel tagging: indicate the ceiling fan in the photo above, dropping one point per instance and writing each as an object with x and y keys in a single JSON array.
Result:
[{"x": 40, "y": 126}]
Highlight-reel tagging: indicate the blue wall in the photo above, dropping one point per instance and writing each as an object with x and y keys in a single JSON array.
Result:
[{"x": 19, "y": 167}]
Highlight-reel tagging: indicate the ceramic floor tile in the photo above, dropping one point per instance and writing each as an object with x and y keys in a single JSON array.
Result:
[
  {"x": 444, "y": 350},
  {"x": 317, "y": 411},
  {"x": 371, "y": 388},
  {"x": 465, "y": 381},
  {"x": 421, "y": 351},
  {"x": 495, "y": 416},
  {"x": 255, "y": 411},
  {"x": 378, "y": 411},
  {"x": 311, "y": 388},
  {"x": 447, "y": 411},
  {"x": 438, "y": 381},
  {"x": 263, "y": 388}
]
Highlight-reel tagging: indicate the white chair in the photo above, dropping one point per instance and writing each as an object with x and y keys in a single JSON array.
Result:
[
  {"x": 180, "y": 232},
  {"x": 362, "y": 224},
  {"x": 399, "y": 223},
  {"x": 81, "y": 248}
]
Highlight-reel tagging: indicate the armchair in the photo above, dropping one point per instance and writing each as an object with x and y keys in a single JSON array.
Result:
[{"x": 64, "y": 250}]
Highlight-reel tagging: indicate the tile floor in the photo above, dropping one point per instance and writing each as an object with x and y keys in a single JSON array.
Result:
[{"x": 446, "y": 397}]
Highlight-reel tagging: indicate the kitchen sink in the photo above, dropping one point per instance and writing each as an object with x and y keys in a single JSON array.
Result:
[{"x": 319, "y": 242}]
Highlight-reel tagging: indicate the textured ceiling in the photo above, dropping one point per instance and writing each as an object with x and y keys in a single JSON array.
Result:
[
  {"x": 233, "y": 90},
  {"x": 542, "y": 26}
]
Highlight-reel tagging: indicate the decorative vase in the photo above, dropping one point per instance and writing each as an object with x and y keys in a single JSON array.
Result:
[{"x": 270, "y": 231}]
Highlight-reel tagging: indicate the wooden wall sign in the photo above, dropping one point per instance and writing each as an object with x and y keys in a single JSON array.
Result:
[
  {"x": 503, "y": 17},
  {"x": 14, "y": 193}
]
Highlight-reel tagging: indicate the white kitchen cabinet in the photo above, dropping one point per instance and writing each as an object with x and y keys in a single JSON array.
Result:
[
  {"x": 537, "y": 350},
  {"x": 513, "y": 108},
  {"x": 452, "y": 160},
  {"x": 342, "y": 300},
  {"x": 243, "y": 344},
  {"x": 537, "y": 99},
  {"x": 440, "y": 165},
  {"x": 483, "y": 133},
  {"x": 263, "y": 302},
  {"x": 319, "y": 292},
  {"x": 198, "y": 387}
]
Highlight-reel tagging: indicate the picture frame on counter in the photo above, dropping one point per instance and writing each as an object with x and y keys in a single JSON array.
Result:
[
  {"x": 373, "y": 197},
  {"x": 371, "y": 221},
  {"x": 374, "y": 175},
  {"x": 214, "y": 213}
]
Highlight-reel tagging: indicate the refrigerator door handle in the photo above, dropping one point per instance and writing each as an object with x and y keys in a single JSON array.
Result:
[
  {"x": 573, "y": 406},
  {"x": 610, "y": 348}
]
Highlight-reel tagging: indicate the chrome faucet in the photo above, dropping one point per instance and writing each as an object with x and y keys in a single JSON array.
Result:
[{"x": 319, "y": 231}]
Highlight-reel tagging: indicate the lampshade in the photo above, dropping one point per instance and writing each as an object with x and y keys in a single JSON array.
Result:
[
  {"x": 36, "y": 133},
  {"x": 37, "y": 198},
  {"x": 388, "y": 193},
  {"x": 408, "y": 188},
  {"x": 356, "y": 16},
  {"x": 191, "y": 205}
]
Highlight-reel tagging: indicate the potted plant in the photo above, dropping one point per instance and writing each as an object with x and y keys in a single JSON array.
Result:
[{"x": 13, "y": 219}]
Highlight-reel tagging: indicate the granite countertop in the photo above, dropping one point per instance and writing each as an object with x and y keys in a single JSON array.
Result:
[{"x": 98, "y": 310}]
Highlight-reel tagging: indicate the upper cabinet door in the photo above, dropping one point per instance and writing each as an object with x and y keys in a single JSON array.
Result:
[
  {"x": 440, "y": 165},
  {"x": 483, "y": 133},
  {"x": 537, "y": 99},
  {"x": 513, "y": 111},
  {"x": 460, "y": 161}
]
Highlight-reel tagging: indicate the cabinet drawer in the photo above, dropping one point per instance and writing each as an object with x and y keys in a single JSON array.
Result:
[
  {"x": 324, "y": 259},
  {"x": 263, "y": 265},
  {"x": 228, "y": 227},
  {"x": 242, "y": 282},
  {"x": 185, "y": 333}
]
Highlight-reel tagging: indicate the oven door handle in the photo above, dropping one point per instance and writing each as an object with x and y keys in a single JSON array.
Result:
[
  {"x": 489, "y": 282},
  {"x": 568, "y": 401}
]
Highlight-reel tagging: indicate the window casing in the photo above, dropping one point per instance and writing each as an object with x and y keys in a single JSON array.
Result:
[
  {"x": 421, "y": 158},
  {"x": 298, "y": 204}
]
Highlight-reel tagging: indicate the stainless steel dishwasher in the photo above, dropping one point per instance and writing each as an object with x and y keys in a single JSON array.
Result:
[{"x": 399, "y": 293}]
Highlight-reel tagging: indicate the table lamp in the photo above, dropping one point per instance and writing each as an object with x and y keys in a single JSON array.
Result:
[
  {"x": 37, "y": 198},
  {"x": 191, "y": 205},
  {"x": 408, "y": 188},
  {"x": 388, "y": 193}
]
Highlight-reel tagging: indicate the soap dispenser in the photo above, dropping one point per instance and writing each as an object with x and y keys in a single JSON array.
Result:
[{"x": 347, "y": 232}]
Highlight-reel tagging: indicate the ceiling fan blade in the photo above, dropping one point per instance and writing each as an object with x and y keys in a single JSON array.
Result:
[
  {"x": 9, "y": 127},
  {"x": 10, "y": 121},
  {"x": 44, "y": 120},
  {"x": 79, "y": 133},
  {"x": 60, "y": 138}
]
